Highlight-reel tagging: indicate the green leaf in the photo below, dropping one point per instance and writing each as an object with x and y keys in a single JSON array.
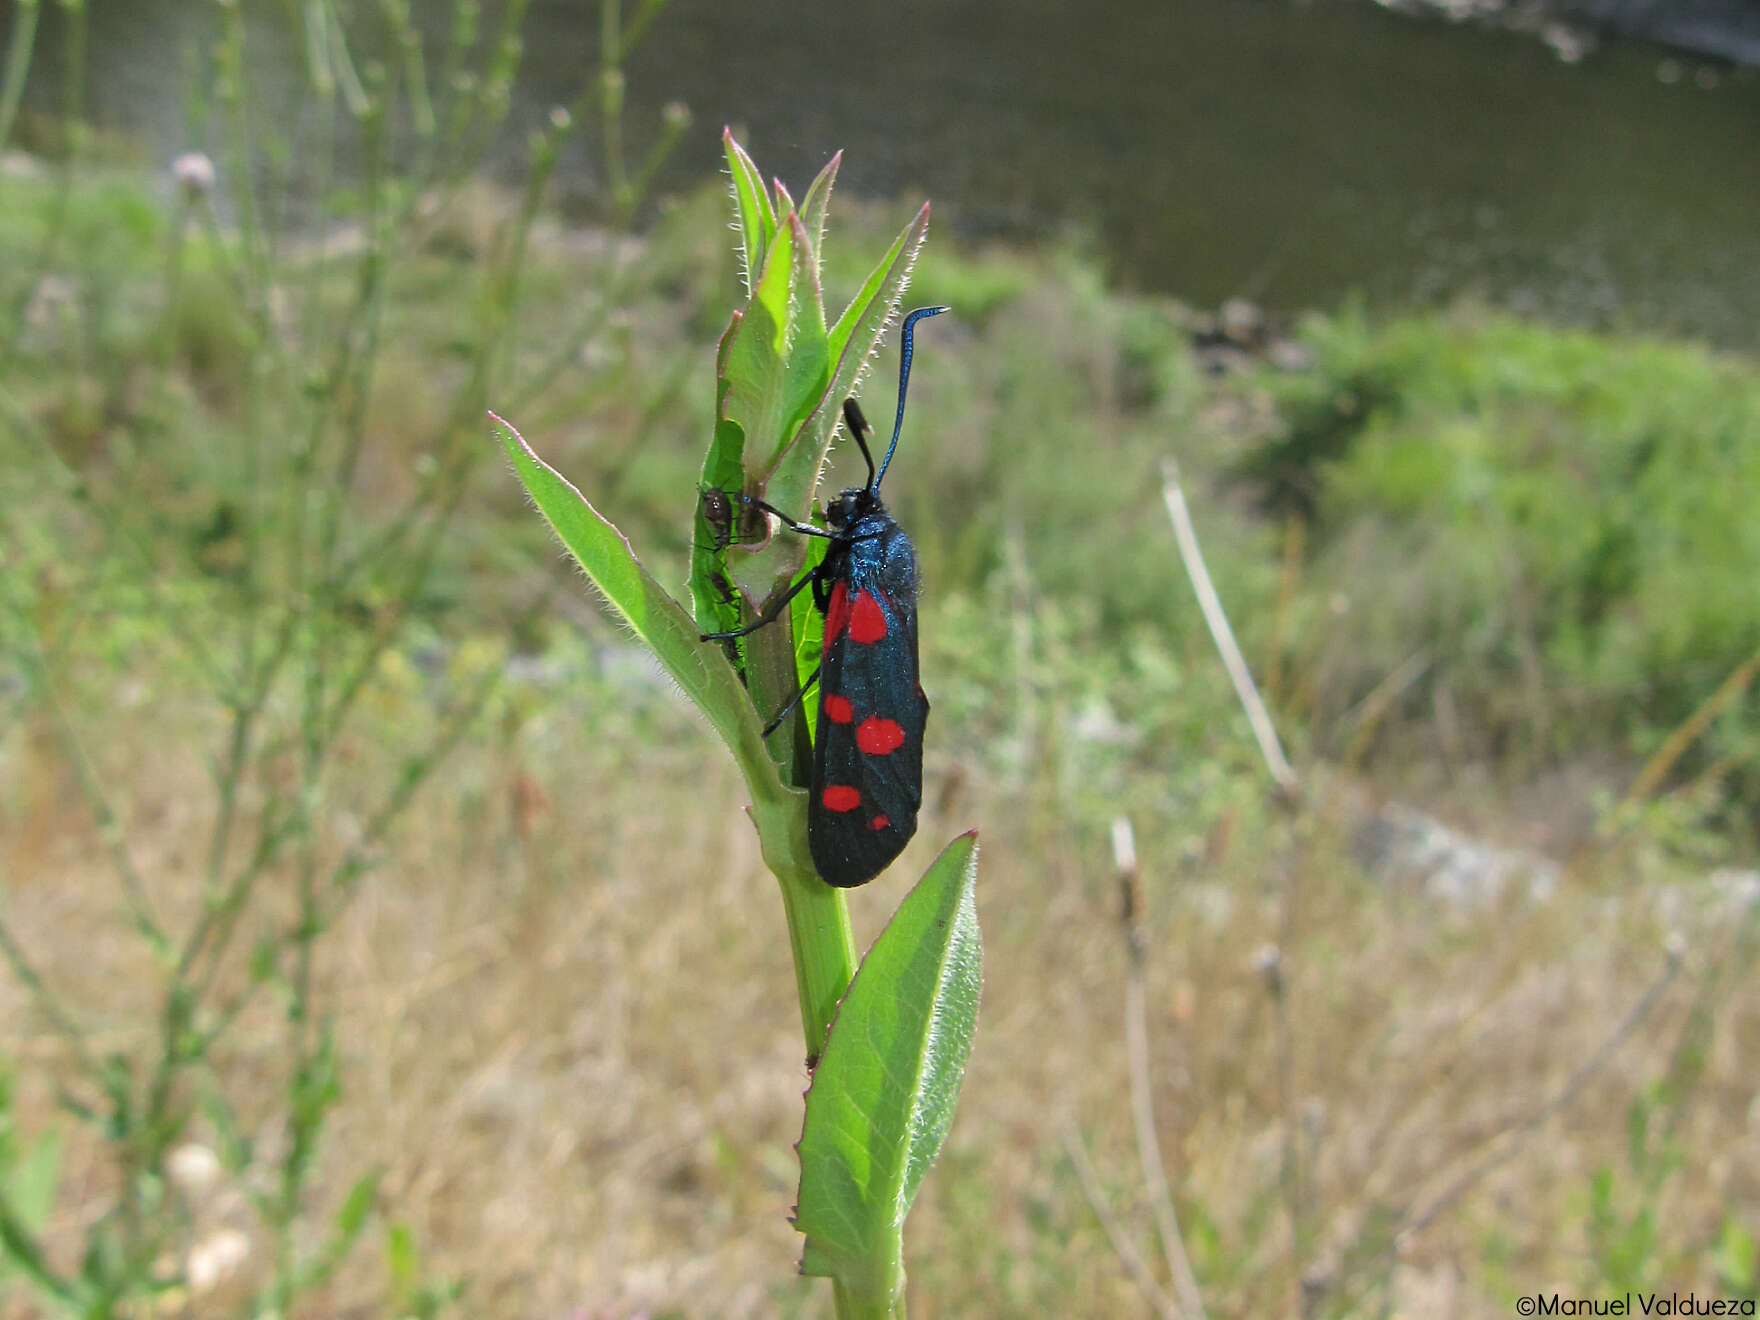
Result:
[
  {"x": 776, "y": 366},
  {"x": 359, "y": 1203},
  {"x": 809, "y": 633},
  {"x": 699, "y": 668},
  {"x": 1736, "y": 1257},
  {"x": 883, "y": 1095},
  {"x": 350, "y": 1220},
  {"x": 32, "y": 1181},
  {"x": 416, "y": 1295},
  {"x": 782, "y": 377},
  {"x": 815, "y": 205},
  {"x": 27, "y": 1194},
  {"x": 234, "y": 1148},
  {"x": 723, "y": 471},
  {"x": 865, "y": 317},
  {"x": 20, "y": 1251},
  {"x": 757, "y": 222},
  {"x": 773, "y": 373},
  {"x": 402, "y": 1263},
  {"x": 849, "y": 345},
  {"x": 265, "y": 960}
]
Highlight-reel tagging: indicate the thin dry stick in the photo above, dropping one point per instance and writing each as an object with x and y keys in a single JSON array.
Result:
[
  {"x": 1291, "y": 1165},
  {"x": 1285, "y": 778},
  {"x": 1136, "y": 1035},
  {"x": 1294, "y": 536},
  {"x": 1021, "y": 617},
  {"x": 1374, "y": 707},
  {"x": 1126, "y": 1250},
  {"x": 1677, "y": 742},
  {"x": 1211, "y": 604},
  {"x": 1518, "y": 1136},
  {"x": 1686, "y": 1061}
]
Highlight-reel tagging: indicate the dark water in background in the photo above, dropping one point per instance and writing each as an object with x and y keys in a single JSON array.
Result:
[{"x": 1294, "y": 153}]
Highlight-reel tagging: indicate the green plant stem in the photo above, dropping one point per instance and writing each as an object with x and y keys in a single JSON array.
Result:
[
  {"x": 48, "y": 1003},
  {"x": 479, "y": 112},
  {"x": 110, "y": 830},
  {"x": 233, "y": 74},
  {"x": 238, "y": 756},
  {"x": 18, "y": 62},
  {"x": 546, "y": 148},
  {"x": 415, "y": 75},
  {"x": 646, "y": 12},
  {"x": 219, "y": 919},
  {"x": 175, "y": 244},
  {"x": 611, "y": 101},
  {"x": 357, "y": 364},
  {"x": 119, "y": 529},
  {"x": 819, "y": 933},
  {"x": 568, "y": 351},
  {"x": 418, "y": 767},
  {"x": 341, "y": 881},
  {"x": 288, "y": 670},
  {"x": 73, "y": 91},
  {"x": 850, "y": 1306},
  {"x": 254, "y": 281},
  {"x": 824, "y": 948},
  {"x": 346, "y": 76},
  {"x": 345, "y": 406}
]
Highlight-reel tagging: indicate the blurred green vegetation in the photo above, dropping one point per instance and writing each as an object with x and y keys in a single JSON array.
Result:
[
  {"x": 1455, "y": 537},
  {"x": 1542, "y": 530},
  {"x": 1560, "y": 522}
]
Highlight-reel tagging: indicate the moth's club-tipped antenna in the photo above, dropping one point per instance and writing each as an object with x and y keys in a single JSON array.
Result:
[{"x": 904, "y": 381}]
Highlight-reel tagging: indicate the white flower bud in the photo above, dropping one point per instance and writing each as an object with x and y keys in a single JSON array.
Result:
[{"x": 194, "y": 173}]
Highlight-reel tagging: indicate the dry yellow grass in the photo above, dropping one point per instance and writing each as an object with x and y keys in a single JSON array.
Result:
[{"x": 570, "y": 1039}]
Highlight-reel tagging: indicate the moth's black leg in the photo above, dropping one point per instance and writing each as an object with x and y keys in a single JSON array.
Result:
[
  {"x": 793, "y": 701},
  {"x": 771, "y": 613},
  {"x": 805, "y": 529}
]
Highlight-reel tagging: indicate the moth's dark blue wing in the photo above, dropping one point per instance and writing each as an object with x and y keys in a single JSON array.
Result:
[{"x": 868, "y": 761}]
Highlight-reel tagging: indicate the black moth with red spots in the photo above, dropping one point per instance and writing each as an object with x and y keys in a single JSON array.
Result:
[
  {"x": 868, "y": 761},
  {"x": 868, "y": 758}
]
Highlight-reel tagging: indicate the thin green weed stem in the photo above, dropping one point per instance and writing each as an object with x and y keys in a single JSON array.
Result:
[
  {"x": 55, "y": 225},
  {"x": 19, "y": 46},
  {"x": 72, "y": 1034},
  {"x": 110, "y": 830},
  {"x": 290, "y": 665}
]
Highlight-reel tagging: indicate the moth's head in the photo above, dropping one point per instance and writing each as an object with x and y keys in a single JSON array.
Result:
[{"x": 849, "y": 506}]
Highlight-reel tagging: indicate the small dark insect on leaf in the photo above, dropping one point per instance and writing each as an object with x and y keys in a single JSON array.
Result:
[{"x": 717, "y": 506}]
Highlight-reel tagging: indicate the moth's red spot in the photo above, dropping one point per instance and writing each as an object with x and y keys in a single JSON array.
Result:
[
  {"x": 878, "y": 823},
  {"x": 877, "y": 737},
  {"x": 838, "y": 710},
  {"x": 841, "y": 797},
  {"x": 867, "y": 621},
  {"x": 836, "y": 613}
]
